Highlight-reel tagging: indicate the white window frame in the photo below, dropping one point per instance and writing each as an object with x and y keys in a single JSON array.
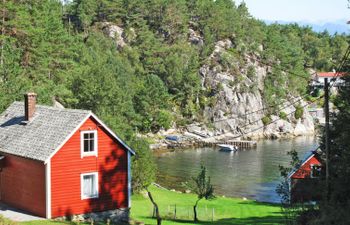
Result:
[
  {"x": 82, "y": 185},
  {"x": 82, "y": 153}
]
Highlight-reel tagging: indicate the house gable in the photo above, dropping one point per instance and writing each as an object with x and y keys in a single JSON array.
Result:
[
  {"x": 105, "y": 127},
  {"x": 304, "y": 171},
  {"x": 67, "y": 165}
]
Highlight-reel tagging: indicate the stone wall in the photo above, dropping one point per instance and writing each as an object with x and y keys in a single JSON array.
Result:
[{"x": 117, "y": 216}]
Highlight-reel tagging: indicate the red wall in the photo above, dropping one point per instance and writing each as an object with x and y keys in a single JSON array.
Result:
[
  {"x": 23, "y": 184},
  {"x": 67, "y": 165},
  {"x": 305, "y": 170}
]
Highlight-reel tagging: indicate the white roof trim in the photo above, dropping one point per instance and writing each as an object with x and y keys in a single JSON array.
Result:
[
  {"x": 113, "y": 134},
  {"x": 77, "y": 128}
]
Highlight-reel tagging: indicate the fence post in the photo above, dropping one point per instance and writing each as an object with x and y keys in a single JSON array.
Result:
[
  {"x": 206, "y": 212},
  {"x": 212, "y": 215},
  {"x": 175, "y": 212}
]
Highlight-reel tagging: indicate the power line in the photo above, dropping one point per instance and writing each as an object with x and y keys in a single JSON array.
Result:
[
  {"x": 283, "y": 70},
  {"x": 270, "y": 106},
  {"x": 255, "y": 121},
  {"x": 300, "y": 99},
  {"x": 282, "y": 103},
  {"x": 340, "y": 67},
  {"x": 276, "y": 120},
  {"x": 262, "y": 109},
  {"x": 342, "y": 63}
]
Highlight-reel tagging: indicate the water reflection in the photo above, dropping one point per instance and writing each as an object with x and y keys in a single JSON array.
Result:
[{"x": 247, "y": 173}]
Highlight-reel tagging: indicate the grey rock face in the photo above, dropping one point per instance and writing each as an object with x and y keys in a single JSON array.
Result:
[
  {"x": 239, "y": 104},
  {"x": 195, "y": 38}
]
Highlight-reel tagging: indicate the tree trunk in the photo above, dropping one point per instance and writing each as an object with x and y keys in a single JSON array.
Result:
[
  {"x": 195, "y": 211},
  {"x": 159, "y": 219}
]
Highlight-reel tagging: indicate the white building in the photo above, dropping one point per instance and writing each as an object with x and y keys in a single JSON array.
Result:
[{"x": 333, "y": 77}]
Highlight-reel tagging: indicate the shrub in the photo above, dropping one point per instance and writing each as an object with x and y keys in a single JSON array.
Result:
[
  {"x": 299, "y": 112},
  {"x": 283, "y": 115},
  {"x": 164, "y": 119},
  {"x": 266, "y": 120}
]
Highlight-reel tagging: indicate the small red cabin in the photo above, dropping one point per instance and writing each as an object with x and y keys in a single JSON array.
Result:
[
  {"x": 304, "y": 180},
  {"x": 60, "y": 162}
]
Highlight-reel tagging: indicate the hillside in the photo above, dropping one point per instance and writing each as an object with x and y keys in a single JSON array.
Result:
[{"x": 143, "y": 66}]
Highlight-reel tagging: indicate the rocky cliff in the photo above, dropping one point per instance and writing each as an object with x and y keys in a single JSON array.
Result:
[{"x": 236, "y": 86}]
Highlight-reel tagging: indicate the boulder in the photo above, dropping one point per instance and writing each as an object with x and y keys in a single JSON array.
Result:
[
  {"x": 115, "y": 32},
  {"x": 195, "y": 38}
]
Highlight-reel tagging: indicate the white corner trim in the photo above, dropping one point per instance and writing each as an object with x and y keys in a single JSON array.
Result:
[
  {"x": 68, "y": 137},
  {"x": 82, "y": 188},
  {"x": 129, "y": 179},
  {"x": 95, "y": 152},
  {"x": 48, "y": 189}
]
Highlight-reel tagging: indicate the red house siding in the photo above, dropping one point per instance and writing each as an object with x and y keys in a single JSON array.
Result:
[
  {"x": 305, "y": 170},
  {"x": 23, "y": 184},
  {"x": 67, "y": 166}
]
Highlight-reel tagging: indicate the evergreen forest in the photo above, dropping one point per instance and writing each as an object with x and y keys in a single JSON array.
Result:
[{"x": 151, "y": 81}]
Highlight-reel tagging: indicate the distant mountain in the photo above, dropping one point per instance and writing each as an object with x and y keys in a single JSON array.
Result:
[{"x": 338, "y": 26}]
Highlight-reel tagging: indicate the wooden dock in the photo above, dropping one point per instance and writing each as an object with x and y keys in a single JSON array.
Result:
[{"x": 239, "y": 144}]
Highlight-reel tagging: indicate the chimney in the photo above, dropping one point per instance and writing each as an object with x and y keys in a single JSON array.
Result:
[{"x": 29, "y": 106}]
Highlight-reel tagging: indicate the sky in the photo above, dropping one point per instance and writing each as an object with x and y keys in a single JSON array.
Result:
[{"x": 313, "y": 11}]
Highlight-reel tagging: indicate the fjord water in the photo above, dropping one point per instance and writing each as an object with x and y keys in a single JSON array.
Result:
[{"x": 252, "y": 173}]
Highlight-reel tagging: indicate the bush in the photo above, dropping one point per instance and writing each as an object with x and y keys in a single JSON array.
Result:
[
  {"x": 266, "y": 120},
  {"x": 283, "y": 115},
  {"x": 164, "y": 119},
  {"x": 299, "y": 112}
]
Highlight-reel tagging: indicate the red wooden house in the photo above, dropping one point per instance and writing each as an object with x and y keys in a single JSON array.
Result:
[
  {"x": 59, "y": 162},
  {"x": 304, "y": 180}
]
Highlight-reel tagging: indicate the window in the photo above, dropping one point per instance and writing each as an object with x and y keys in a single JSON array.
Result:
[
  {"x": 315, "y": 171},
  {"x": 88, "y": 143},
  {"x": 89, "y": 185}
]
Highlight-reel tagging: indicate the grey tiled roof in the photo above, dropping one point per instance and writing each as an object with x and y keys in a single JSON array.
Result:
[{"x": 39, "y": 138}]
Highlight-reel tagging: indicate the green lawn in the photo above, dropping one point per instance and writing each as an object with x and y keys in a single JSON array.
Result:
[{"x": 225, "y": 210}]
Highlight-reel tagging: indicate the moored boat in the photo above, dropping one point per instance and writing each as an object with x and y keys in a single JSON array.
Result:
[{"x": 229, "y": 148}]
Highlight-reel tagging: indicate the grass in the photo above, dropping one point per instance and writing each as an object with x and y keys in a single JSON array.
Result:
[
  {"x": 220, "y": 211},
  {"x": 49, "y": 222},
  {"x": 226, "y": 210}
]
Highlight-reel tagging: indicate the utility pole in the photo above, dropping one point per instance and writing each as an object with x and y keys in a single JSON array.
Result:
[
  {"x": 326, "y": 111},
  {"x": 2, "y": 34}
]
